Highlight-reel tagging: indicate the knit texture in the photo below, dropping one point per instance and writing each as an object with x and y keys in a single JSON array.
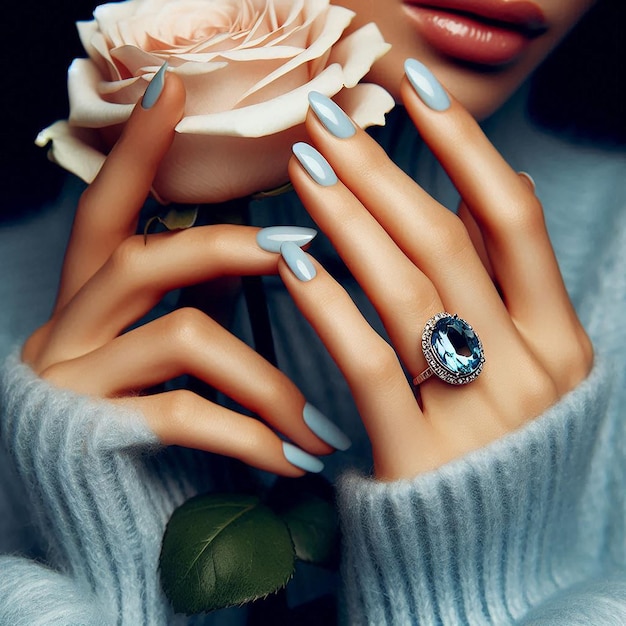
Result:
[
  {"x": 101, "y": 493},
  {"x": 488, "y": 537},
  {"x": 528, "y": 530}
]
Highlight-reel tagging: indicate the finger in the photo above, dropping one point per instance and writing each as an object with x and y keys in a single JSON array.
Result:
[
  {"x": 433, "y": 238},
  {"x": 394, "y": 422},
  {"x": 476, "y": 237},
  {"x": 108, "y": 210},
  {"x": 137, "y": 276},
  {"x": 182, "y": 418},
  {"x": 188, "y": 342},
  {"x": 506, "y": 209},
  {"x": 404, "y": 297}
]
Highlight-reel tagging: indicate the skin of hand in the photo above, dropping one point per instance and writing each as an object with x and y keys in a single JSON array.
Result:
[
  {"x": 493, "y": 265},
  {"x": 110, "y": 279}
]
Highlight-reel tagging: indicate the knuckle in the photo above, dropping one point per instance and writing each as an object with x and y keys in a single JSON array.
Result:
[
  {"x": 180, "y": 406},
  {"x": 415, "y": 292},
  {"x": 448, "y": 234},
  {"x": 524, "y": 217},
  {"x": 183, "y": 327},
  {"x": 128, "y": 257},
  {"x": 378, "y": 362},
  {"x": 577, "y": 362}
]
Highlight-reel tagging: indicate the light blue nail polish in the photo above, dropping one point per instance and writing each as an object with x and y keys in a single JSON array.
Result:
[
  {"x": 154, "y": 89},
  {"x": 298, "y": 261},
  {"x": 272, "y": 237},
  {"x": 426, "y": 85},
  {"x": 302, "y": 459},
  {"x": 325, "y": 429},
  {"x": 337, "y": 123},
  {"x": 315, "y": 164}
]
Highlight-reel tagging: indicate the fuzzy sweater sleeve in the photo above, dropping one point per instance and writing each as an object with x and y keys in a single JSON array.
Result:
[
  {"x": 101, "y": 491},
  {"x": 512, "y": 531}
]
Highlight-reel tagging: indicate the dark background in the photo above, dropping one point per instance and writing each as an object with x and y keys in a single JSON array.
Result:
[
  {"x": 580, "y": 91},
  {"x": 40, "y": 40}
]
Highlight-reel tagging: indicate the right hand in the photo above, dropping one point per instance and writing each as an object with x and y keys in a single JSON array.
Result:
[{"x": 110, "y": 279}]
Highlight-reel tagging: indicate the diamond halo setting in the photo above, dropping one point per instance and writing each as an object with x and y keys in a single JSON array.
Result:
[{"x": 453, "y": 351}]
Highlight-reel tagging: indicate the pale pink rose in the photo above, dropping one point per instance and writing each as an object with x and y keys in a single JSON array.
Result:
[{"x": 247, "y": 65}]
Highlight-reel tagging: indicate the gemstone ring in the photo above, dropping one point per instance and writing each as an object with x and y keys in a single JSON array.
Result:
[{"x": 452, "y": 349}]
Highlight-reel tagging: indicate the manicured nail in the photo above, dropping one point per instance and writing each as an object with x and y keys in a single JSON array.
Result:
[
  {"x": 272, "y": 237},
  {"x": 426, "y": 85},
  {"x": 302, "y": 459},
  {"x": 297, "y": 261},
  {"x": 337, "y": 123},
  {"x": 325, "y": 429},
  {"x": 154, "y": 89},
  {"x": 530, "y": 179},
  {"x": 315, "y": 164}
]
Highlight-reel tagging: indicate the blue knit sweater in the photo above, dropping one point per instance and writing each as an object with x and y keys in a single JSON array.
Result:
[{"x": 529, "y": 530}]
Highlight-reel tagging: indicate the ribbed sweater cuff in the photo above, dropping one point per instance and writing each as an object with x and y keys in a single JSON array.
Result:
[
  {"x": 99, "y": 500},
  {"x": 485, "y": 537}
]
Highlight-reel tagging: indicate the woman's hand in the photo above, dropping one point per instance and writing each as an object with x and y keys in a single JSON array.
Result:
[
  {"x": 111, "y": 279},
  {"x": 493, "y": 265}
]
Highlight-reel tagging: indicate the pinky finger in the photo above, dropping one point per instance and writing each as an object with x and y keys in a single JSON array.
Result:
[{"x": 183, "y": 418}]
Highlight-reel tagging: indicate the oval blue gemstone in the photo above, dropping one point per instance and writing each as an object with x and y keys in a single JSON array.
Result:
[{"x": 456, "y": 346}]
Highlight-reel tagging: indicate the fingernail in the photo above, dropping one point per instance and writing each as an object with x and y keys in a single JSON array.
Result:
[
  {"x": 272, "y": 237},
  {"x": 315, "y": 164},
  {"x": 297, "y": 261},
  {"x": 337, "y": 123},
  {"x": 154, "y": 89},
  {"x": 426, "y": 85},
  {"x": 325, "y": 429},
  {"x": 530, "y": 179},
  {"x": 302, "y": 459}
]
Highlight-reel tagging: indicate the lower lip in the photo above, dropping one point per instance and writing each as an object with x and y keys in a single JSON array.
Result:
[{"x": 465, "y": 38}]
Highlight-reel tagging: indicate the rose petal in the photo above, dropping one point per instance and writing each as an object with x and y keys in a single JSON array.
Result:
[
  {"x": 366, "y": 104},
  {"x": 108, "y": 16},
  {"x": 337, "y": 21},
  {"x": 87, "y": 108},
  {"x": 358, "y": 52},
  {"x": 262, "y": 119},
  {"x": 96, "y": 48},
  {"x": 220, "y": 90},
  {"x": 134, "y": 59},
  {"x": 200, "y": 169},
  {"x": 72, "y": 148}
]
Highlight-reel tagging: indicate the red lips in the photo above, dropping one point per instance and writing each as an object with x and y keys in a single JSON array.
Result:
[{"x": 487, "y": 32}]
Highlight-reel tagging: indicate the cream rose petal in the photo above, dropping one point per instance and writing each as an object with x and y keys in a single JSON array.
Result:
[
  {"x": 87, "y": 108},
  {"x": 358, "y": 52},
  {"x": 134, "y": 59},
  {"x": 337, "y": 21},
  {"x": 72, "y": 148},
  {"x": 109, "y": 16},
  {"x": 262, "y": 119},
  {"x": 95, "y": 46},
  {"x": 366, "y": 104}
]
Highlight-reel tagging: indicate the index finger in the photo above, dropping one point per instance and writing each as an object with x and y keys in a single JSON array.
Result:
[{"x": 108, "y": 210}]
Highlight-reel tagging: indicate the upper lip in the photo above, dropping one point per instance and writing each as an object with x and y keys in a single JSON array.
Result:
[{"x": 518, "y": 14}]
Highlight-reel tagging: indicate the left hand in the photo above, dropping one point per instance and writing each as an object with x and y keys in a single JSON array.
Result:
[{"x": 493, "y": 265}]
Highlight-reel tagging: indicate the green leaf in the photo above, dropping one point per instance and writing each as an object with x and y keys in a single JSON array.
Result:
[
  {"x": 180, "y": 218},
  {"x": 176, "y": 219},
  {"x": 306, "y": 505},
  {"x": 223, "y": 550}
]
